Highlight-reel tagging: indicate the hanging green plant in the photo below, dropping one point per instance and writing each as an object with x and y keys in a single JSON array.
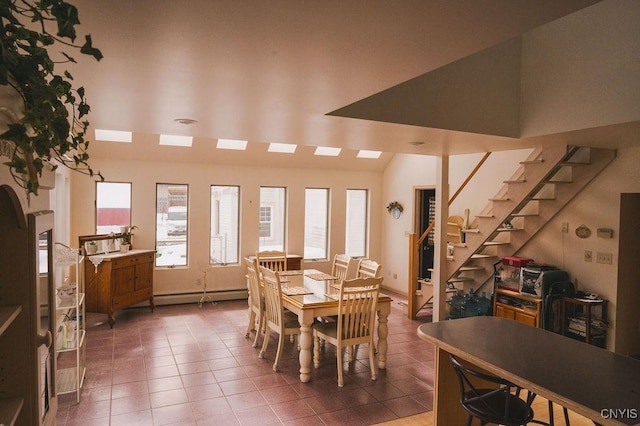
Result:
[{"x": 44, "y": 116}]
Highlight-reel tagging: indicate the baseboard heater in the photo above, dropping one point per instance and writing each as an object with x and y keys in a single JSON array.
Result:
[{"x": 184, "y": 298}]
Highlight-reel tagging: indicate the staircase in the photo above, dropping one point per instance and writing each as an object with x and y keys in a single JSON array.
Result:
[{"x": 543, "y": 184}]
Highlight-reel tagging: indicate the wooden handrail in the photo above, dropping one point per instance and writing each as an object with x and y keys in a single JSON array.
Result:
[{"x": 414, "y": 244}]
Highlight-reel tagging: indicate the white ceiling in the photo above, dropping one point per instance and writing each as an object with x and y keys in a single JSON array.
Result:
[{"x": 273, "y": 71}]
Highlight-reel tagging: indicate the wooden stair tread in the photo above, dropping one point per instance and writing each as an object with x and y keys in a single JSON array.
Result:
[
  {"x": 500, "y": 199},
  {"x": 536, "y": 161},
  {"x": 509, "y": 229},
  {"x": 481, "y": 256},
  {"x": 515, "y": 181},
  {"x": 558, "y": 181},
  {"x": 459, "y": 279},
  {"x": 523, "y": 214},
  {"x": 471, "y": 268},
  {"x": 471, "y": 231},
  {"x": 495, "y": 243},
  {"x": 485, "y": 216}
]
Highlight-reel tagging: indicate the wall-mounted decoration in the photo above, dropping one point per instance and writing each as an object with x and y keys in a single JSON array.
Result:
[
  {"x": 395, "y": 208},
  {"x": 583, "y": 231},
  {"x": 604, "y": 233}
]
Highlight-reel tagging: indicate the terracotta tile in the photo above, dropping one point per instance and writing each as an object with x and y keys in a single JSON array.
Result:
[
  {"x": 262, "y": 415},
  {"x": 246, "y": 400},
  {"x": 197, "y": 379},
  {"x": 168, "y": 397},
  {"x": 291, "y": 410},
  {"x": 227, "y": 374},
  {"x": 130, "y": 403},
  {"x": 234, "y": 387},
  {"x": 129, "y": 389},
  {"x": 404, "y": 406},
  {"x": 136, "y": 418},
  {"x": 172, "y": 414},
  {"x": 275, "y": 395},
  {"x": 207, "y": 408},
  {"x": 207, "y": 391},
  {"x": 165, "y": 383}
]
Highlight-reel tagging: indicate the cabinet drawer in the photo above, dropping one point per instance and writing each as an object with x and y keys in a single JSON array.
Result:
[{"x": 132, "y": 260}]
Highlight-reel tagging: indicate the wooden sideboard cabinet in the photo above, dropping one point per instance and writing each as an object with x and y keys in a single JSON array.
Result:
[
  {"x": 120, "y": 280},
  {"x": 520, "y": 307}
]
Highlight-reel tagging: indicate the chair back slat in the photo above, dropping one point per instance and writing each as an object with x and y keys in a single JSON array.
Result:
[
  {"x": 272, "y": 259},
  {"x": 255, "y": 290},
  {"x": 274, "y": 310},
  {"x": 357, "y": 307},
  {"x": 344, "y": 267},
  {"x": 369, "y": 269}
]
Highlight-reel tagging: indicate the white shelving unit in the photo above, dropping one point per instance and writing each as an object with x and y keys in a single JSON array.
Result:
[{"x": 70, "y": 322}]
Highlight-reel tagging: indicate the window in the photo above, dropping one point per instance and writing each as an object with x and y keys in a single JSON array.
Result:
[
  {"x": 356, "y": 224},
  {"x": 272, "y": 218},
  {"x": 172, "y": 218},
  {"x": 225, "y": 202},
  {"x": 113, "y": 206},
  {"x": 316, "y": 214}
]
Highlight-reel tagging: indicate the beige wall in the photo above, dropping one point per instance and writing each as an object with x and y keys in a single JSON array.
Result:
[
  {"x": 598, "y": 206},
  {"x": 406, "y": 173},
  {"x": 199, "y": 177}
]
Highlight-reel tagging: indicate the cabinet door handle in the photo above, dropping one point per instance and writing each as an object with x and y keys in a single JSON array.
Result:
[{"x": 45, "y": 339}]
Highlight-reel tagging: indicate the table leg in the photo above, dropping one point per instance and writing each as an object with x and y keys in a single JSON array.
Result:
[
  {"x": 305, "y": 352},
  {"x": 383, "y": 331},
  {"x": 305, "y": 318}
]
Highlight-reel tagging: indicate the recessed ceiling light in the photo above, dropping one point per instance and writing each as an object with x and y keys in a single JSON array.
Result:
[
  {"x": 232, "y": 144},
  {"x": 287, "y": 148},
  {"x": 175, "y": 140},
  {"x": 327, "y": 151},
  {"x": 113, "y": 135},
  {"x": 369, "y": 154},
  {"x": 186, "y": 121}
]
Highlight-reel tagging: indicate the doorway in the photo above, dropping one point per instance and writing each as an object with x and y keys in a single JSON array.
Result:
[{"x": 425, "y": 214}]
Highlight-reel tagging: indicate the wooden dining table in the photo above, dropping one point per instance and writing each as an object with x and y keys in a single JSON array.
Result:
[
  {"x": 311, "y": 294},
  {"x": 591, "y": 381}
]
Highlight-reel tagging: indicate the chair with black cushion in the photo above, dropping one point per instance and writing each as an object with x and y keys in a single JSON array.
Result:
[{"x": 493, "y": 404}]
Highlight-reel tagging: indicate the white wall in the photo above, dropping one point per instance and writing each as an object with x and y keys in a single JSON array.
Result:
[
  {"x": 406, "y": 173},
  {"x": 199, "y": 177},
  {"x": 598, "y": 206},
  {"x": 581, "y": 71}
]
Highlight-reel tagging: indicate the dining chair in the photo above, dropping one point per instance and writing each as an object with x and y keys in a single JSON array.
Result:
[
  {"x": 272, "y": 259},
  {"x": 493, "y": 404},
  {"x": 275, "y": 318},
  {"x": 256, "y": 299},
  {"x": 357, "y": 306},
  {"x": 369, "y": 269},
  {"x": 344, "y": 267}
]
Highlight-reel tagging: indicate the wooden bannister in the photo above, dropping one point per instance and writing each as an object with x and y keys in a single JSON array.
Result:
[{"x": 415, "y": 242}]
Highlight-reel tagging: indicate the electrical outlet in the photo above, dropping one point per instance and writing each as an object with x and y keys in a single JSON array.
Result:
[
  {"x": 565, "y": 227},
  {"x": 198, "y": 281},
  {"x": 395, "y": 276},
  {"x": 588, "y": 256},
  {"x": 605, "y": 258}
]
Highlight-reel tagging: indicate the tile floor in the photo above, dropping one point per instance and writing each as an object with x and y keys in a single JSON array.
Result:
[{"x": 184, "y": 365}]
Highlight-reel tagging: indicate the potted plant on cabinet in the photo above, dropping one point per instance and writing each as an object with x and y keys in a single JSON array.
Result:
[
  {"x": 42, "y": 116},
  {"x": 126, "y": 233}
]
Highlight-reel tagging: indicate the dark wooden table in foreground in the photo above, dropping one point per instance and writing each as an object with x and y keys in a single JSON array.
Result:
[{"x": 588, "y": 380}]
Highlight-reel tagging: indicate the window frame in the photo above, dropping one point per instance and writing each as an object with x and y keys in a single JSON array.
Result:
[
  {"x": 274, "y": 216},
  {"x": 97, "y": 203},
  {"x": 365, "y": 229},
  {"x": 224, "y": 261},
  {"x": 186, "y": 231},
  {"x": 327, "y": 211}
]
